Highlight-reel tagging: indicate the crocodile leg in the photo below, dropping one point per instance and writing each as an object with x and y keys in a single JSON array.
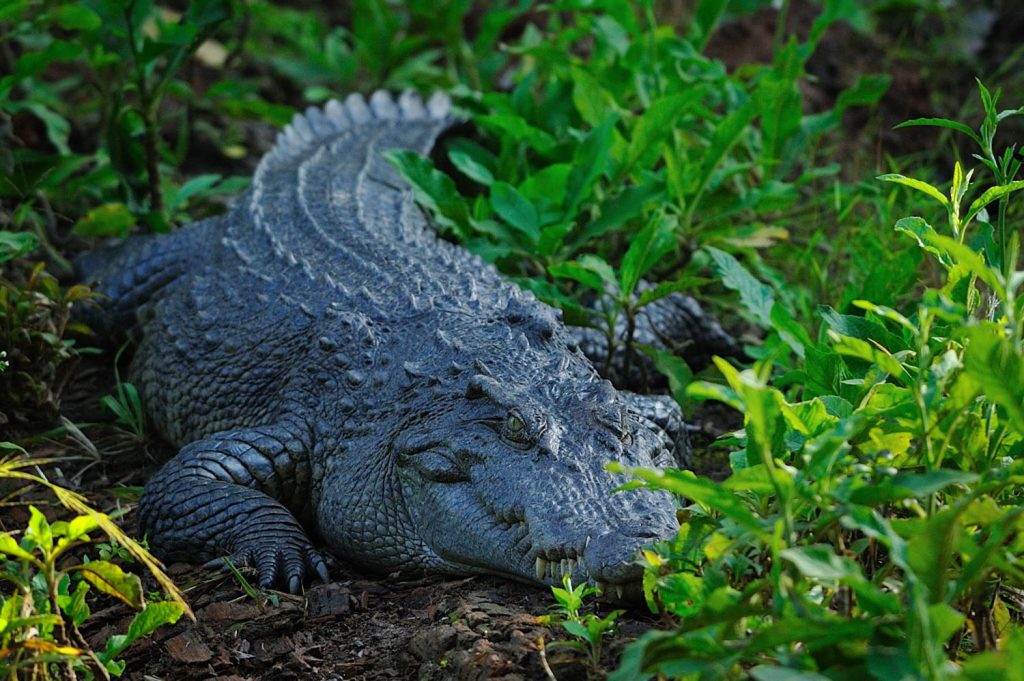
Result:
[
  {"x": 228, "y": 496},
  {"x": 137, "y": 271},
  {"x": 662, "y": 415}
]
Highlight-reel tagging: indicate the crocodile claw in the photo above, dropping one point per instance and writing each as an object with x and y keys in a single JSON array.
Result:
[{"x": 287, "y": 562}]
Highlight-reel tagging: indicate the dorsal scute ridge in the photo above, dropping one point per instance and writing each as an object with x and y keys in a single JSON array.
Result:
[{"x": 309, "y": 128}]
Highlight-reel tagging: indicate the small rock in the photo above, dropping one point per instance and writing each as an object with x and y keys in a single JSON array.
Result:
[
  {"x": 328, "y": 600},
  {"x": 477, "y": 619},
  {"x": 188, "y": 648},
  {"x": 431, "y": 644}
]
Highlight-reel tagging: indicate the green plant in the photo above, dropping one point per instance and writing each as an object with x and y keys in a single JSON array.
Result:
[
  {"x": 134, "y": 69},
  {"x": 589, "y": 629},
  {"x": 125, "y": 58},
  {"x": 34, "y": 316},
  {"x": 258, "y": 595},
  {"x": 871, "y": 522},
  {"x": 39, "y": 621},
  {"x": 125, "y": 402}
]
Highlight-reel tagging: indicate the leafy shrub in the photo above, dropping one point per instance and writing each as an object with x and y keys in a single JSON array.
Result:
[
  {"x": 34, "y": 313},
  {"x": 871, "y": 522},
  {"x": 39, "y": 620}
]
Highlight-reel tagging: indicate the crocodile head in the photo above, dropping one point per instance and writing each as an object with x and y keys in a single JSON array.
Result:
[{"x": 510, "y": 479}]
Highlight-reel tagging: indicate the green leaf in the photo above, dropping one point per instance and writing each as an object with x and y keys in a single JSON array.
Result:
[
  {"x": 77, "y": 607},
  {"x": 588, "y": 164},
  {"x": 77, "y": 18},
  {"x": 10, "y": 547},
  {"x": 672, "y": 367},
  {"x": 591, "y": 100},
  {"x": 990, "y": 195},
  {"x": 919, "y": 185},
  {"x": 727, "y": 133},
  {"x": 590, "y": 270},
  {"x": 16, "y": 244},
  {"x": 855, "y": 347},
  {"x": 655, "y": 124},
  {"x": 789, "y": 329},
  {"x": 546, "y": 185},
  {"x": 765, "y": 673},
  {"x": 667, "y": 288},
  {"x": 154, "y": 616},
  {"x": 942, "y": 123},
  {"x": 966, "y": 257},
  {"x": 654, "y": 241},
  {"x": 433, "y": 190},
  {"x": 998, "y": 367},
  {"x": 143, "y": 624},
  {"x": 517, "y": 129},
  {"x": 469, "y": 167},
  {"x": 703, "y": 491},
  {"x": 39, "y": 530},
  {"x": 756, "y": 297},
  {"x": 623, "y": 207},
  {"x": 33, "y": 63},
  {"x": 778, "y": 101},
  {"x": 861, "y": 327},
  {"x": 576, "y": 629},
  {"x": 930, "y": 550},
  {"x": 925, "y": 236},
  {"x": 921, "y": 485},
  {"x": 110, "y": 219},
  {"x": 199, "y": 186},
  {"x": 57, "y": 127},
  {"x": 111, "y": 579},
  {"x": 516, "y": 210},
  {"x": 705, "y": 18},
  {"x": 13, "y": 9},
  {"x": 945, "y": 621},
  {"x": 868, "y": 89}
]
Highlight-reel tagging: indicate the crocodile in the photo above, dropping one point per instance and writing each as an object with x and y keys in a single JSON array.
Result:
[{"x": 332, "y": 370}]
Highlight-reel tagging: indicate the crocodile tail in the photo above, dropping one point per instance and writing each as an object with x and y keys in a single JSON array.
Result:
[{"x": 310, "y": 128}]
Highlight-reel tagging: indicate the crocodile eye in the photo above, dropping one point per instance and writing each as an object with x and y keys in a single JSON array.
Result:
[{"x": 515, "y": 428}]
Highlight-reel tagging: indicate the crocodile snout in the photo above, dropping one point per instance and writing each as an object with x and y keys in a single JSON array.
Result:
[{"x": 611, "y": 557}]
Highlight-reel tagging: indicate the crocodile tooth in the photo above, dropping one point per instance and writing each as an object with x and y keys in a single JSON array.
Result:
[
  {"x": 572, "y": 565},
  {"x": 563, "y": 567},
  {"x": 541, "y": 567},
  {"x": 618, "y": 591}
]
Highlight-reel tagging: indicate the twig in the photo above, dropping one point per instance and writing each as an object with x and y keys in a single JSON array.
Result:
[{"x": 544, "y": 659}]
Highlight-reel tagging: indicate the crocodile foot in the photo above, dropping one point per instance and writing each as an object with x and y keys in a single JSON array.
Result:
[{"x": 287, "y": 559}]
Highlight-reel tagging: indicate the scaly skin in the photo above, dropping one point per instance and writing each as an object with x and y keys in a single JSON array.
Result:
[{"x": 326, "y": 364}]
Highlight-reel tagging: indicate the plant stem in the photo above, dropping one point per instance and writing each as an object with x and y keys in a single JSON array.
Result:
[
  {"x": 147, "y": 108},
  {"x": 780, "y": 25}
]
